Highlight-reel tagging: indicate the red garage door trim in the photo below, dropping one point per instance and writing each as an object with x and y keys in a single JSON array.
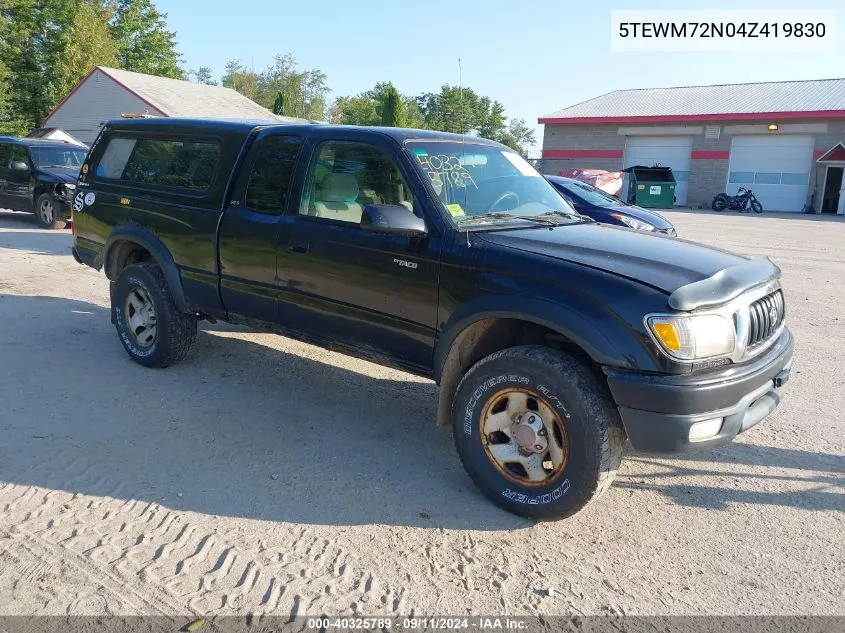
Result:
[
  {"x": 582, "y": 153},
  {"x": 710, "y": 154}
]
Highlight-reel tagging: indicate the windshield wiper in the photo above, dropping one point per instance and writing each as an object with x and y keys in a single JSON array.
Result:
[
  {"x": 567, "y": 214},
  {"x": 499, "y": 215}
]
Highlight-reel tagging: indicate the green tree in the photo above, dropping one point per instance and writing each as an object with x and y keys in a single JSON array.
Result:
[
  {"x": 144, "y": 43},
  {"x": 88, "y": 45},
  {"x": 357, "y": 110},
  {"x": 202, "y": 75},
  {"x": 10, "y": 122},
  {"x": 391, "y": 108},
  {"x": 237, "y": 77},
  {"x": 366, "y": 108},
  {"x": 35, "y": 36},
  {"x": 304, "y": 91},
  {"x": 453, "y": 109},
  {"x": 518, "y": 136},
  {"x": 489, "y": 119}
]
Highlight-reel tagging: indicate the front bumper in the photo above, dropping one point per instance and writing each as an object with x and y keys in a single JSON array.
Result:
[{"x": 658, "y": 411}]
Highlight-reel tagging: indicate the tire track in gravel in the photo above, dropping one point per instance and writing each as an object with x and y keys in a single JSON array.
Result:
[{"x": 166, "y": 561}]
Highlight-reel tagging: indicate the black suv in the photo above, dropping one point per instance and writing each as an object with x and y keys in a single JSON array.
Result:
[
  {"x": 38, "y": 176},
  {"x": 552, "y": 337}
]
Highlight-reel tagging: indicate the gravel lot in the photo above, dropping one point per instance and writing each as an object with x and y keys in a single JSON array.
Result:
[{"x": 263, "y": 475}]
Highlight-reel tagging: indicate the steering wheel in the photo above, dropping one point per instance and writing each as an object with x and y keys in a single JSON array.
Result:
[{"x": 501, "y": 198}]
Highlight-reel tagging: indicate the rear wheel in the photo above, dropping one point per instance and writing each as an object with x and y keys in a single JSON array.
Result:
[
  {"x": 47, "y": 212},
  {"x": 537, "y": 432},
  {"x": 756, "y": 207},
  {"x": 720, "y": 202},
  {"x": 153, "y": 331}
]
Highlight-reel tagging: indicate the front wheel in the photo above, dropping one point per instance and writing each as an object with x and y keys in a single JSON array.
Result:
[
  {"x": 537, "y": 432},
  {"x": 152, "y": 329},
  {"x": 720, "y": 202},
  {"x": 756, "y": 207},
  {"x": 47, "y": 212}
]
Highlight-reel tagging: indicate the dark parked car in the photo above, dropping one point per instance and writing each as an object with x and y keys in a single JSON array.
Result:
[
  {"x": 39, "y": 177},
  {"x": 552, "y": 337},
  {"x": 603, "y": 207}
]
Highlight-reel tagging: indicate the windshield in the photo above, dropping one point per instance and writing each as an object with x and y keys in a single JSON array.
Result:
[
  {"x": 590, "y": 194},
  {"x": 69, "y": 158},
  {"x": 481, "y": 184}
]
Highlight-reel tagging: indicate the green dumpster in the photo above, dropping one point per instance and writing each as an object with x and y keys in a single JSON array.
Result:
[{"x": 652, "y": 187}]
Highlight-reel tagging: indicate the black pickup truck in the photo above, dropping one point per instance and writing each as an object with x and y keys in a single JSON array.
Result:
[{"x": 552, "y": 337}]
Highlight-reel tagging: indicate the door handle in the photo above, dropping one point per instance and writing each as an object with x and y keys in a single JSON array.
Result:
[{"x": 303, "y": 248}]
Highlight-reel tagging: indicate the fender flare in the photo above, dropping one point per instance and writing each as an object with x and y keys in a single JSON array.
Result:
[
  {"x": 160, "y": 254},
  {"x": 557, "y": 317}
]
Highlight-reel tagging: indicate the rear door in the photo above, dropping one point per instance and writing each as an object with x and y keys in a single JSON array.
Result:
[
  {"x": 18, "y": 190},
  {"x": 5, "y": 149},
  {"x": 254, "y": 224},
  {"x": 371, "y": 294}
]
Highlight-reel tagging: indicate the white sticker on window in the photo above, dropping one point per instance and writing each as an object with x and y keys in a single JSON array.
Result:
[{"x": 521, "y": 164}]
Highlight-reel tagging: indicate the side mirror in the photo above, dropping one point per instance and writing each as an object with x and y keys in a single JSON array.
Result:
[
  {"x": 20, "y": 166},
  {"x": 392, "y": 220}
]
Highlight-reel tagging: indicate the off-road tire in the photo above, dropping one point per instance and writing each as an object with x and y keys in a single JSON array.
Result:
[
  {"x": 175, "y": 331},
  {"x": 594, "y": 432},
  {"x": 56, "y": 221}
]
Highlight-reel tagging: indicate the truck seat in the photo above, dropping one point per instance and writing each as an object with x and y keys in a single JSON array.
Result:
[{"x": 339, "y": 199}]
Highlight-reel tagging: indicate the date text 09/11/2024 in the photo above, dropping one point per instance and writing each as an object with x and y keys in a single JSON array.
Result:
[{"x": 416, "y": 624}]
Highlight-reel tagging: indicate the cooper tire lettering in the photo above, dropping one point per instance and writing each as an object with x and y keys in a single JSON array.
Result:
[{"x": 581, "y": 410}]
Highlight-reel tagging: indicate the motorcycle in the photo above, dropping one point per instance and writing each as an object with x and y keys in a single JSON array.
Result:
[{"x": 739, "y": 202}]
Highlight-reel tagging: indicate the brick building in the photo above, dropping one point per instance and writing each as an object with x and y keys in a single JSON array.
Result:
[{"x": 784, "y": 140}]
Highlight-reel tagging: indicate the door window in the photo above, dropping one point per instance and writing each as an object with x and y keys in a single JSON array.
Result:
[
  {"x": 4, "y": 156},
  {"x": 346, "y": 177},
  {"x": 18, "y": 155},
  {"x": 270, "y": 179}
]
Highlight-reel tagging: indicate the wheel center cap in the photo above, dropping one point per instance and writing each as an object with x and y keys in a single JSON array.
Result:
[
  {"x": 524, "y": 435},
  {"x": 530, "y": 434}
]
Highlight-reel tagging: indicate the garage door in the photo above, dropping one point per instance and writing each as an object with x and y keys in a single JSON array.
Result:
[
  {"x": 776, "y": 168},
  {"x": 667, "y": 151}
]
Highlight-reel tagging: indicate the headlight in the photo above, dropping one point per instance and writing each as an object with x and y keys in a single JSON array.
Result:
[
  {"x": 70, "y": 186},
  {"x": 693, "y": 337},
  {"x": 633, "y": 222}
]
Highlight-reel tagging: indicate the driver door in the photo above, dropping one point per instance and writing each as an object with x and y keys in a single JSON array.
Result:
[{"x": 370, "y": 294}]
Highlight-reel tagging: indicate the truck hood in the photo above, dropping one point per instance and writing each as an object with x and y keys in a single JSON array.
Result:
[
  {"x": 59, "y": 174},
  {"x": 663, "y": 262}
]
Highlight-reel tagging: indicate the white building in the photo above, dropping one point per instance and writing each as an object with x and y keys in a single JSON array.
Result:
[{"x": 108, "y": 93}]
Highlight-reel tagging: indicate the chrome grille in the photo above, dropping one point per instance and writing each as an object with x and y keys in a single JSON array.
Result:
[{"x": 765, "y": 316}]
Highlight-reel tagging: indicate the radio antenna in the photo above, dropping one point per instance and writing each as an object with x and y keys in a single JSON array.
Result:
[
  {"x": 460, "y": 95},
  {"x": 461, "y": 123}
]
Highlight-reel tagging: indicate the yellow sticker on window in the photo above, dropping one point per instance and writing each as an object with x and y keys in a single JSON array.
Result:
[{"x": 456, "y": 210}]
